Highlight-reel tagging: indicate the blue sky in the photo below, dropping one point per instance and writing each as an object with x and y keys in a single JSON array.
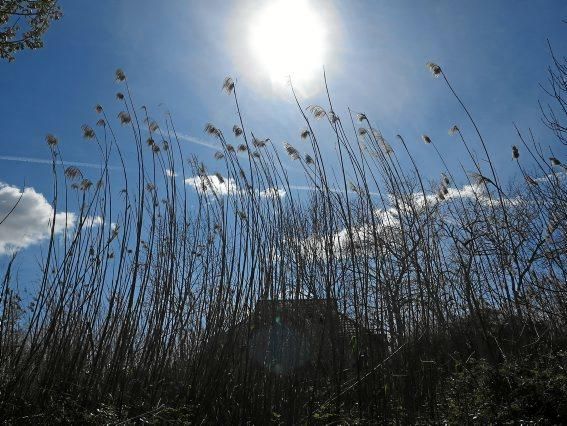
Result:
[{"x": 177, "y": 53}]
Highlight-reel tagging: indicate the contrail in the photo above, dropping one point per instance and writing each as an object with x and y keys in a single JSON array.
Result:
[
  {"x": 92, "y": 165},
  {"x": 335, "y": 190},
  {"x": 58, "y": 163},
  {"x": 195, "y": 140}
]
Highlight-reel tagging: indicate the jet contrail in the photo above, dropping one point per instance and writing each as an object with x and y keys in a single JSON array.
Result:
[
  {"x": 58, "y": 163},
  {"x": 195, "y": 140},
  {"x": 335, "y": 190}
]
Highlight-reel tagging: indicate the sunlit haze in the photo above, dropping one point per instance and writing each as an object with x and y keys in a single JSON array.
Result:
[{"x": 288, "y": 39}]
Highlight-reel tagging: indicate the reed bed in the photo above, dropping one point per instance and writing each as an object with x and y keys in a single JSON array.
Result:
[{"x": 465, "y": 284}]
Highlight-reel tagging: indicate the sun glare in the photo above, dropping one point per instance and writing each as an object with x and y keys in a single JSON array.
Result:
[{"x": 288, "y": 39}]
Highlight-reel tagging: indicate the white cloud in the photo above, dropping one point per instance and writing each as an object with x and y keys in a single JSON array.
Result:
[
  {"x": 551, "y": 176},
  {"x": 220, "y": 185},
  {"x": 213, "y": 184},
  {"x": 92, "y": 221},
  {"x": 170, "y": 173},
  {"x": 388, "y": 219},
  {"x": 272, "y": 193},
  {"x": 30, "y": 221}
]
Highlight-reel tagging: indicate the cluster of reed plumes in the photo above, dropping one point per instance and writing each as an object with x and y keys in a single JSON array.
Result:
[{"x": 128, "y": 310}]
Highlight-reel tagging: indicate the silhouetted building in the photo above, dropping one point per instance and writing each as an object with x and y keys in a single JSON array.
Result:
[{"x": 303, "y": 337}]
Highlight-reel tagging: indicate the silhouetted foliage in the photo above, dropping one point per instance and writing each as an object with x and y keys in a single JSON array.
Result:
[
  {"x": 374, "y": 299},
  {"x": 23, "y": 24}
]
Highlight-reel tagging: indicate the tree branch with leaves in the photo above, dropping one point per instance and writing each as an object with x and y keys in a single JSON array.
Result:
[{"x": 23, "y": 24}]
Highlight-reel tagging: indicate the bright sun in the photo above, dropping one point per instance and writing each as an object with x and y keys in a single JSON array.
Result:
[{"x": 288, "y": 38}]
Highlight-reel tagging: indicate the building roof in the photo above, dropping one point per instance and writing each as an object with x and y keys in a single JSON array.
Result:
[{"x": 290, "y": 335}]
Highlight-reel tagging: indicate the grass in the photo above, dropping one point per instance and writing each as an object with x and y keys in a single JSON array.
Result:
[{"x": 466, "y": 283}]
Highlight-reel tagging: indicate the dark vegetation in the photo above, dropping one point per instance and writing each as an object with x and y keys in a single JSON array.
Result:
[
  {"x": 140, "y": 318},
  {"x": 23, "y": 24}
]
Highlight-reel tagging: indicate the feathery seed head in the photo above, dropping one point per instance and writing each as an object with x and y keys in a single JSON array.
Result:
[
  {"x": 434, "y": 68},
  {"x": 153, "y": 126},
  {"x": 378, "y": 136},
  {"x": 515, "y": 152},
  {"x": 554, "y": 161},
  {"x": 212, "y": 130},
  {"x": 258, "y": 143},
  {"x": 317, "y": 111},
  {"x": 228, "y": 85},
  {"x": 426, "y": 138},
  {"x": 120, "y": 96},
  {"x": 531, "y": 181},
  {"x": 98, "y": 108},
  {"x": 88, "y": 132},
  {"x": 73, "y": 172},
  {"x": 124, "y": 117},
  {"x": 333, "y": 117},
  {"x": 291, "y": 151},
  {"x": 236, "y": 130},
  {"x": 453, "y": 130},
  {"x": 305, "y": 134},
  {"x": 219, "y": 155},
  {"x": 85, "y": 185},
  {"x": 51, "y": 140},
  {"x": 386, "y": 147},
  {"x": 120, "y": 76},
  {"x": 479, "y": 179}
]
